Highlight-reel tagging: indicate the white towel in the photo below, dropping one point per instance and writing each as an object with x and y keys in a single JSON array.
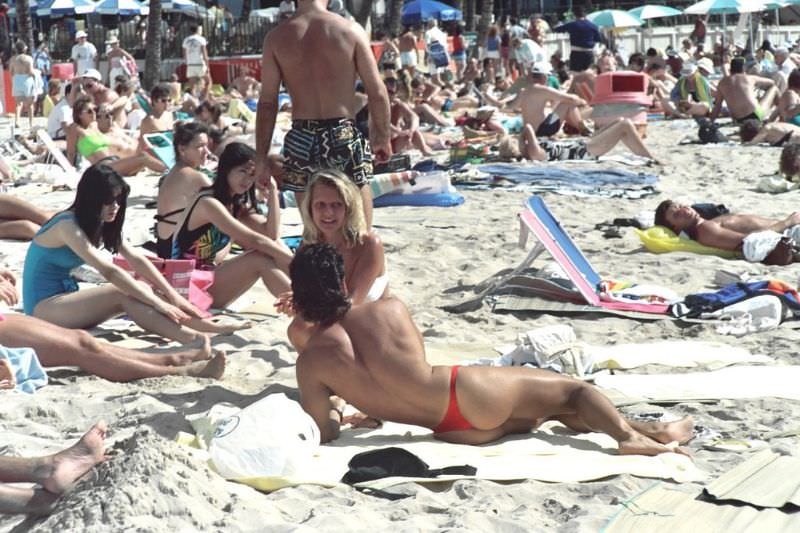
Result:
[{"x": 758, "y": 246}]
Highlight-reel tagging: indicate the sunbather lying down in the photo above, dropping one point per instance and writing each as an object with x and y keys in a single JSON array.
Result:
[
  {"x": 727, "y": 232},
  {"x": 529, "y": 147},
  {"x": 372, "y": 356}
]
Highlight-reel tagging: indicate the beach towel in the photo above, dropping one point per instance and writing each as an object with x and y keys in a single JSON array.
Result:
[
  {"x": 767, "y": 479},
  {"x": 736, "y": 382},
  {"x": 551, "y": 453},
  {"x": 611, "y": 183},
  {"x": 160, "y": 144},
  {"x": 28, "y": 372},
  {"x": 663, "y": 508}
]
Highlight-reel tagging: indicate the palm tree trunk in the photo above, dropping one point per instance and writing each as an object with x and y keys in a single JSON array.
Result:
[
  {"x": 152, "y": 69},
  {"x": 395, "y": 17},
  {"x": 24, "y": 25},
  {"x": 360, "y": 9},
  {"x": 470, "y": 14}
]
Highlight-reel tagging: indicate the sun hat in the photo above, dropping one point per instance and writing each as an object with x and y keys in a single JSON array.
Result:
[
  {"x": 688, "y": 69},
  {"x": 92, "y": 73},
  {"x": 112, "y": 39},
  {"x": 706, "y": 64},
  {"x": 79, "y": 34}
]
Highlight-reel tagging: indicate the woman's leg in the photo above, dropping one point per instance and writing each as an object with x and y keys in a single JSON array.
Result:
[
  {"x": 57, "y": 346},
  {"x": 622, "y": 131},
  {"x": 18, "y": 230},
  {"x": 13, "y": 208},
  {"x": 428, "y": 114},
  {"x": 529, "y": 145},
  {"x": 234, "y": 276},
  {"x": 102, "y": 303}
]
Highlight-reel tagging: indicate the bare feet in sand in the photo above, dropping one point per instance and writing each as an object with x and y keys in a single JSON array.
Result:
[
  {"x": 214, "y": 368},
  {"x": 223, "y": 328},
  {"x": 7, "y": 379},
  {"x": 61, "y": 470},
  {"x": 638, "y": 444},
  {"x": 199, "y": 350},
  {"x": 680, "y": 431}
]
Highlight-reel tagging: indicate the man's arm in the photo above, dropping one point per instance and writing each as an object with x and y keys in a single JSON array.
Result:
[
  {"x": 267, "y": 108},
  {"x": 712, "y": 234},
  {"x": 761, "y": 82},
  {"x": 315, "y": 398},
  {"x": 788, "y": 222},
  {"x": 718, "y": 103},
  {"x": 376, "y": 92}
]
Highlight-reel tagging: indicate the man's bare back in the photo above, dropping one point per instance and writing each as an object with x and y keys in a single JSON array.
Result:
[
  {"x": 738, "y": 90},
  {"x": 408, "y": 42},
  {"x": 536, "y": 103},
  {"x": 372, "y": 356}
]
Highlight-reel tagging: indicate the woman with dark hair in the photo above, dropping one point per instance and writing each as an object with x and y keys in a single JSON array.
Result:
[
  {"x": 184, "y": 180},
  {"x": 224, "y": 213},
  {"x": 73, "y": 238},
  {"x": 85, "y": 138}
]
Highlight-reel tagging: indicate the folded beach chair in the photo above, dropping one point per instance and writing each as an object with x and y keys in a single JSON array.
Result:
[
  {"x": 538, "y": 219},
  {"x": 160, "y": 144},
  {"x": 71, "y": 175}
]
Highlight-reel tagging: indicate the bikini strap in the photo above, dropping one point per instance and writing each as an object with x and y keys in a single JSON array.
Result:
[{"x": 163, "y": 218}]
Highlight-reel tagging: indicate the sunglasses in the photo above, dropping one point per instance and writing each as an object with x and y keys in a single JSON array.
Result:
[
  {"x": 118, "y": 199},
  {"x": 90, "y": 110},
  {"x": 390, "y": 80}
]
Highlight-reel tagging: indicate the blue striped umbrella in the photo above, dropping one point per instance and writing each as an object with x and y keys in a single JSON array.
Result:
[
  {"x": 614, "y": 18},
  {"x": 125, "y": 8},
  {"x": 50, "y": 8}
]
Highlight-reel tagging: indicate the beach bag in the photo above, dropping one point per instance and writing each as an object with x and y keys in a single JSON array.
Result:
[
  {"x": 782, "y": 254},
  {"x": 709, "y": 132},
  {"x": 271, "y": 437},
  {"x": 181, "y": 274},
  {"x": 393, "y": 461},
  {"x": 438, "y": 54}
]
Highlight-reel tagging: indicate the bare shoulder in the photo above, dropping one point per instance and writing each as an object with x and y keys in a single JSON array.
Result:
[
  {"x": 324, "y": 345},
  {"x": 372, "y": 241}
]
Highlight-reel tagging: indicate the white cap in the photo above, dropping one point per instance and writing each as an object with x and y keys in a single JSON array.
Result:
[
  {"x": 92, "y": 73},
  {"x": 79, "y": 34},
  {"x": 541, "y": 67},
  {"x": 688, "y": 69},
  {"x": 706, "y": 64}
]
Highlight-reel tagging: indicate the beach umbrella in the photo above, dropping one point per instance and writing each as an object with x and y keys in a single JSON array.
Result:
[
  {"x": 58, "y": 8},
  {"x": 614, "y": 18},
  {"x": 654, "y": 12},
  {"x": 32, "y": 5},
  {"x": 187, "y": 7},
  {"x": 418, "y": 11},
  {"x": 125, "y": 8},
  {"x": 725, "y": 7}
]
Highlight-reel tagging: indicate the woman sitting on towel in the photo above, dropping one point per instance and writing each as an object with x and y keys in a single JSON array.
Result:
[
  {"x": 333, "y": 213},
  {"x": 73, "y": 238},
  {"x": 225, "y": 213},
  {"x": 184, "y": 180},
  {"x": 85, "y": 138},
  {"x": 57, "y": 346}
]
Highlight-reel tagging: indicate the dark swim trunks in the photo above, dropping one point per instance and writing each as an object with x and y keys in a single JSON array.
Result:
[
  {"x": 313, "y": 145},
  {"x": 453, "y": 420},
  {"x": 580, "y": 60},
  {"x": 550, "y": 126}
]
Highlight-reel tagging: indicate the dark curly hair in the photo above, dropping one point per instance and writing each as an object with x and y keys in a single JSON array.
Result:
[
  {"x": 317, "y": 272},
  {"x": 661, "y": 214}
]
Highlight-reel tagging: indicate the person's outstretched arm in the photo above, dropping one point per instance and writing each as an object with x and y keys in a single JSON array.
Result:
[
  {"x": 378, "y": 102},
  {"x": 267, "y": 108}
]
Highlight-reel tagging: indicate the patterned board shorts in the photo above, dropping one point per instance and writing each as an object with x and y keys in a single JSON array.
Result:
[
  {"x": 312, "y": 145},
  {"x": 571, "y": 150}
]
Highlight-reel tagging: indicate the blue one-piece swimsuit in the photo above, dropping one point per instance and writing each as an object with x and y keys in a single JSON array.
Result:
[{"x": 46, "y": 270}]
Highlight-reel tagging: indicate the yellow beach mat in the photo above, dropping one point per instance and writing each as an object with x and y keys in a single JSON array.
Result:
[
  {"x": 736, "y": 382},
  {"x": 552, "y": 454},
  {"x": 661, "y": 240},
  {"x": 672, "y": 353},
  {"x": 668, "y": 509}
]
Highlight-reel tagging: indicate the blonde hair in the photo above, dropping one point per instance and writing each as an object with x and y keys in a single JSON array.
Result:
[{"x": 355, "y": 225}]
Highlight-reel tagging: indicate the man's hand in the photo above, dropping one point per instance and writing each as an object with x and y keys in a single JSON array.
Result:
[
  {"x": 362, "y": 420},
  {"x": 381, "y": 149},
  {"x": 285, "y": 304}
]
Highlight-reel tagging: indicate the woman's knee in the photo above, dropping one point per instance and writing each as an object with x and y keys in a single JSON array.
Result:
[{"x": 84, "y": 342}]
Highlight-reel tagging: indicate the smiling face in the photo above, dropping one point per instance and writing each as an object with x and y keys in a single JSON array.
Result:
[
  {"x": 88, "y": 114},
  {"x": 328, "y": 210},
  {"x": 241, "y": 178},
  {"x": 681, "y": 217},
  {"x": 195, "y": 154}
]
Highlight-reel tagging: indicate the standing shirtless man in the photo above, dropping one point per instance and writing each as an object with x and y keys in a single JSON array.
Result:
[
  {"x": 318, "y": 56},
  {"x": 408, "y": 51},
  {"x": 738, "y": 91},
  {"x": 372, "y": 356}
]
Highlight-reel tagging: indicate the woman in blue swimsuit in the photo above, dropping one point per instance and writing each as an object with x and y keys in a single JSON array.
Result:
[
  {"x": 72, "y": 238},
  {"x": 226, "y": 213}
]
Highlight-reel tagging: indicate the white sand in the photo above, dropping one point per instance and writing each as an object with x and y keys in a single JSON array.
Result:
[{"x": 434, "y": 256}]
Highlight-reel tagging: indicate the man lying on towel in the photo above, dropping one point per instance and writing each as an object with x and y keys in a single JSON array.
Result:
[
  {"x": 372, "y": 356},
  {"x": 756, "y": 237}
]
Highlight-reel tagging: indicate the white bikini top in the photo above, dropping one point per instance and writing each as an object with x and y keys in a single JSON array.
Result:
[{"x": 378, "y": 287}]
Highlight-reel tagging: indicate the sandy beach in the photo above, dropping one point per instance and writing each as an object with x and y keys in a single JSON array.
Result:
[{"x": 435, "y": 257}]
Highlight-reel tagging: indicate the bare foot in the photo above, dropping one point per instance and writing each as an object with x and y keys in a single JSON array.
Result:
[
  {"x": 7, "y": 378},
  {"x": 638, "y": 444},
  {"x": 680, "y": 431},
  {"x": 61, "y": 470},
  {"x": 223, "y": 328},
  {"x": 212, "y": 369},
  {"x": 198, "y": 350}
]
